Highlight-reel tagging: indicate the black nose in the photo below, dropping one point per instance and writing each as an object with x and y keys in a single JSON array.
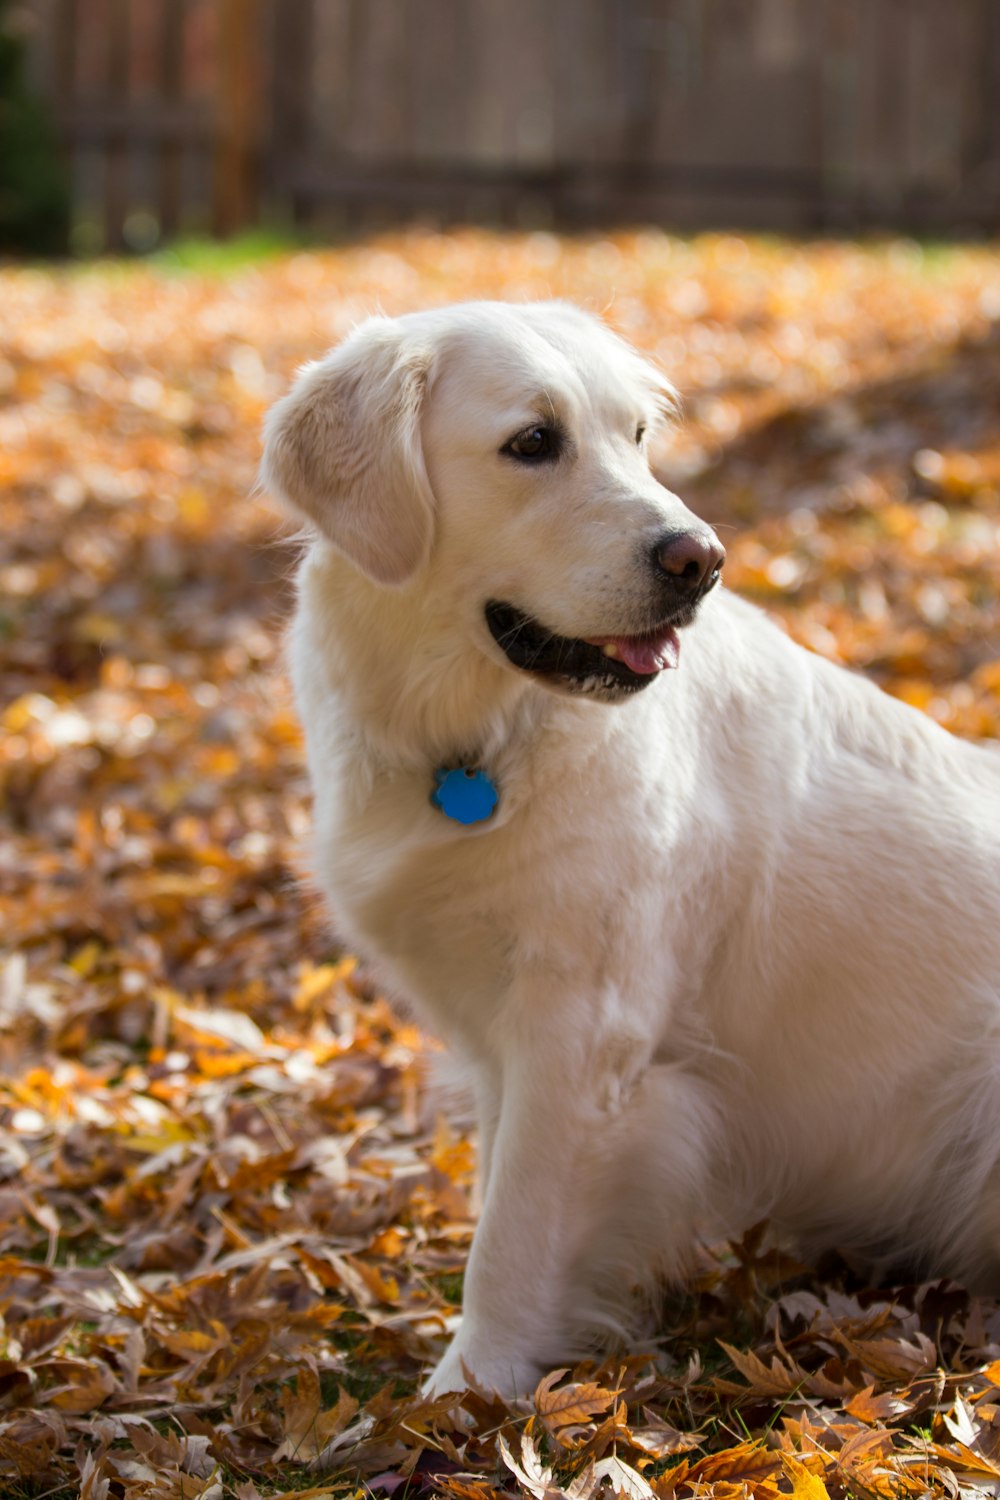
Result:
[{"x": 690, "y": 560}]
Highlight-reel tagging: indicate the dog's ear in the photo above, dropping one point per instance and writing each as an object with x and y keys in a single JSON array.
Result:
[{"x": 344, "y": 448}]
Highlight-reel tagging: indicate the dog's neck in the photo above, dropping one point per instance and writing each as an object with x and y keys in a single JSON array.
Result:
[{"x": 418, "y": 693}]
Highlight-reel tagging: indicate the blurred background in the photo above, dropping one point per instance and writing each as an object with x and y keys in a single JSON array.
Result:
[{"x": 168, "y": 116}]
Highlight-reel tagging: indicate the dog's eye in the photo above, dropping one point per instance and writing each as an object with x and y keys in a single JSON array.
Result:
[
  {"x": 640, "y": 433},
  {"x": 534, "y": 444}
]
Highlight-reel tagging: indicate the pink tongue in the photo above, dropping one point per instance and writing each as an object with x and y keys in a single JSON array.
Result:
[{"x": 649, "y": 653}]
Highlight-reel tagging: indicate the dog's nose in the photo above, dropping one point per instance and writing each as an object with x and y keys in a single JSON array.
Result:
[{"x": 691, "y": 560}]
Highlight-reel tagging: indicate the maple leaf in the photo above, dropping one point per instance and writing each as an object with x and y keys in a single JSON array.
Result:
[
  {"x": 743, "y": 1464},
  {"x": 805, "y": 1484},
  {"x": 571, "y": 1405},
  {"x": 776, "y": 1379},
  {"x": 868, "y": 1407},
  {"x": 528, "y": 1468},
  {"x": 308, "y": 1428},
  {"x": 623, "y": 1479}
]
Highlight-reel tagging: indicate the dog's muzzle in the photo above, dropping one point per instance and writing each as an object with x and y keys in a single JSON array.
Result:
[{"x": 687, "y": 564}]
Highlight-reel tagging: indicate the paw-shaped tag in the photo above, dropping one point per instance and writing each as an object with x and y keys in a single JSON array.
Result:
[{"x": 464, "y": 795}]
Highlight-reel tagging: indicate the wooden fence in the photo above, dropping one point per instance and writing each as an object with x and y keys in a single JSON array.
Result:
[
  {"x": 158, "y": 105},
  {"x": 785, "y": 114}
]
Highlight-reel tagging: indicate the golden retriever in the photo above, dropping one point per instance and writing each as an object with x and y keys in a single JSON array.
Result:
[{"x": 712, "y": 924}]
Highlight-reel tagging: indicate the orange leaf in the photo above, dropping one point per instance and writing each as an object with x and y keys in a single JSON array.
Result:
[
  {"x": 570, "y": 1404},
  {"x": 805, "y": 1485}
]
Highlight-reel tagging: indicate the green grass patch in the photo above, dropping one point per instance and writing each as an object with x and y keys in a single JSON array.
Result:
[
  {"x": 450, "y": 1285},
  {"x": 203, "y": 256}
]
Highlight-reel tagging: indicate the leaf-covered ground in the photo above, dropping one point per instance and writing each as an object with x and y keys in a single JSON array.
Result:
[{"x": 233, "y": 1218}]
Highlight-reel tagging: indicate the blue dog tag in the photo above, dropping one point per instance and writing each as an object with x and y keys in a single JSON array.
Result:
[{"x": 464, "y": 795}]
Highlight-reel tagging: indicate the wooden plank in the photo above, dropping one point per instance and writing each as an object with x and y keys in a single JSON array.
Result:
[
  {"x": 375, "y": 121},
  {"x": 202, "y": 34},
  {"x": 839, "y": 84},
  {"x": 65, "y": 23},
  {"x": 34, "y": 24},
  {"x": 757, "y": 106},
  {"x": 488, "y": 128},
  {"x": 100, "y": 124},
  {"x": 581, "y": 85},
  {"x": 235, "y": 180},
  {"x": 534, "y": 110},
  {"x": 145, "y": 45},
  {"x": 512, "y": 82},
  {"x": 938, "y": 67},
  {"x": 671, "y": 37},
  {"x": 882, "y": 42},
  {"x": 292, "y": 51},
  {"x": 846, "y": 88},
  {"x": 980, "y": 149},
  {"x": 202, "y": 39},
  {"x": 300, "y": 51},
  {"x": 983, "y": 141},
  {"x": 636, "y": 66},
  {"x": 59, "y": 80},
  {"x": 320, "y": 175},
  {"x": 434, "y": 107},
  {"x": 327, "y": 91},
  {"x": 170, "y": 204},
  {"x": 813, "y": 66},
  {"x": 116, "y": 149},
  {"x": 90, "y": 48}
]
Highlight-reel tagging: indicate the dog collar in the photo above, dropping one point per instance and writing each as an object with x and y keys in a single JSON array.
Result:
[{"x": 464, "y": 794}]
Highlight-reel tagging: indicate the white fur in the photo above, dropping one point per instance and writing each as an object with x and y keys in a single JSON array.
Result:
[{"x": 728, "y": 948}]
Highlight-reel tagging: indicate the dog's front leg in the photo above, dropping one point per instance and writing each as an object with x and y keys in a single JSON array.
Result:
[
  {"x": 513, "y": 1293},
  {"x": 487, "y": 1094},
  {"x": 590, "y": 1138}
]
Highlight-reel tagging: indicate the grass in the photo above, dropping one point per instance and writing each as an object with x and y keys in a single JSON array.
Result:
[
  {"x": 205, "y": 256},
  {"x": 449, "y": 1284},
  {"x": 194, "y": 254}
]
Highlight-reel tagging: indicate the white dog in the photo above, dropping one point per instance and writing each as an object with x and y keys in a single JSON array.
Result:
[{"x": 728, "y": 942}]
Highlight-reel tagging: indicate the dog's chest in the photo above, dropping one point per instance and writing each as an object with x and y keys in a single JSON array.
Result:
[
  {"x": 449, "y": 912},
  {"x": 441, "y": 923}
]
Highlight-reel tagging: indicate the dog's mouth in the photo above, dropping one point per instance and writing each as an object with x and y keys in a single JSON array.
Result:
[{"x": 607, "y": 666}]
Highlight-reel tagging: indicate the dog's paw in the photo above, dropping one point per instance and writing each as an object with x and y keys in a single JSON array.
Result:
[
  {"x": 462, "y": 1367},
  {"x": 448, "y": 1377}
]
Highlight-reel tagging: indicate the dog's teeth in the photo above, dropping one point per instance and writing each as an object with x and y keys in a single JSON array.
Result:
[{"x": 611, "y": 650}]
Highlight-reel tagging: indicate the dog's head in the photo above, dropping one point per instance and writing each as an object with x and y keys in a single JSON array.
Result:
[{"x": 495, "y": 454}]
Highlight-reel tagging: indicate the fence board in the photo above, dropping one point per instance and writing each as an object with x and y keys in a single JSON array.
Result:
[
  {"x": 235, "y": 160},
  {"x": 983, "y": 139},
  {"x": 297, "y": 53},
  {"x": 582, "y": 100},
  {"x": 322, "y": 107},
  {"x": 171, "y": 81},
  {"x": 116, "y": 150},
  {"x": 434, "y": 114},
  {"x": 375, "y": 124}
]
